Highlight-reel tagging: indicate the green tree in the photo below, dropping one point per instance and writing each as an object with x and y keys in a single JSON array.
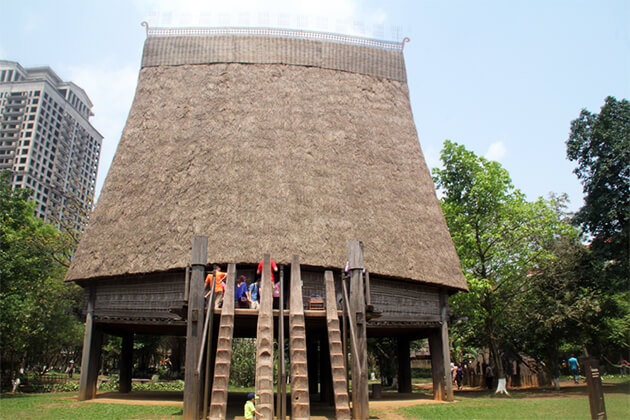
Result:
[
  {"x": 36, "y": 306},
  {"x": 600, "y": 144},
  {"x": 499, "y": 237},
  {"x": 556, "y": 306}
]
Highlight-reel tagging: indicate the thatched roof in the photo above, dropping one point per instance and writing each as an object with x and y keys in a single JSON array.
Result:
[{"x": 283, "y": 156}]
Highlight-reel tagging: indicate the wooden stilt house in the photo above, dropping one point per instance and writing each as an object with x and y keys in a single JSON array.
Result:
[{"x": 295, "y": 145}]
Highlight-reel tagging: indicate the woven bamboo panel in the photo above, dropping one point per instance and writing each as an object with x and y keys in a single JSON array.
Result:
[{"x": 179, "y": 50}]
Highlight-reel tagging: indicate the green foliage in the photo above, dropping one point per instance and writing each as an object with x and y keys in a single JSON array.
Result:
[
  {"x": 36, "y": 319},
  {"x": 243, "y": 364},
  {"x": 500, "y": 238},
  {"x": 600, "y": 143}
]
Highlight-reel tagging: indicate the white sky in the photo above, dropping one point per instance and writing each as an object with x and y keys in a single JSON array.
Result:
[{"x": 504, "y": 78}]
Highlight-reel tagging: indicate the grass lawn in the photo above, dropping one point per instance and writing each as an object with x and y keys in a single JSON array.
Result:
[
  {"x": 65, "y": 406},
  {"x": 569, "y": 403}
]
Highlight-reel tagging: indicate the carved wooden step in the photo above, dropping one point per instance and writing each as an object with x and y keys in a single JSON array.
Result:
[
  {"x": 218, "y": 400},
  {"x": 337, "y": 365},
  {"x": 300, "y": 408},
  {"x": 264, "y": 344}
]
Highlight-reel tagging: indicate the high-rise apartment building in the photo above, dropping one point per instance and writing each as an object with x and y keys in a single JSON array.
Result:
[{"x": 48, "y": 143}]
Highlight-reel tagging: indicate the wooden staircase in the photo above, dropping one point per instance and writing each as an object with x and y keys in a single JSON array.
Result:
[
  {"x": 300, "y": 408},
  {"x": 337, "y": 362},
  {"x": 218, "y": 405},
  {"x": 264, "y": 344}
]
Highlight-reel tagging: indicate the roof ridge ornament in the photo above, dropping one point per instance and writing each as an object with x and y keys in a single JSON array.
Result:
[{"x": 275, "y": 32}]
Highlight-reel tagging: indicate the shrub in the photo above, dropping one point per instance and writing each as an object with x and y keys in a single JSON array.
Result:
[{"x": 243, "y": 365}]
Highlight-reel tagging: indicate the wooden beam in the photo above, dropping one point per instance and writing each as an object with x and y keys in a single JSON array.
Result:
[{"x": 194, "y": 329}]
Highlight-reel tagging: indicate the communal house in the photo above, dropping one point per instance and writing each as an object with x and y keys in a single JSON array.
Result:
[{"x": 245, "y": 145}]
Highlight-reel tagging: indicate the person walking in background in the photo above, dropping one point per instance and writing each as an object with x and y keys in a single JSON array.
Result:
[
  {"x": 250, "y": 407},
  {"x": 70, "y": 369},
  {"x": 574, "y": 367},
  {"x": 489, "y": 376},
  {"x": 459, "y": 376}
]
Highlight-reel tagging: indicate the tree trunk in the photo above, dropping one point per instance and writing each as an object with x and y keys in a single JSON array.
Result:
[{"x": 498, "y": 363}]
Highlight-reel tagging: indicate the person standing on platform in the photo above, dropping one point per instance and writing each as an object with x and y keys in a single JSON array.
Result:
[
  {"x": 276, "y": 288},
  {"x": 274, "y": 267},
  {"x": 254, "y": 294},
  {"x": 574, "y": 366},
  {"x": 240, "y": 294},
  {"x": 219, "y": 287}
]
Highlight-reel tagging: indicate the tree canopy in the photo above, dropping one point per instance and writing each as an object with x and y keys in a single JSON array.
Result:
[
  {"x": 502, "y": 241},
  {"x": 36, "y": 306},
  {"x": 600, "y": 144}
]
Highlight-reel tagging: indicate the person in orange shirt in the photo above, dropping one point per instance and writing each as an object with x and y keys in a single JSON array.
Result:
[{"x": 219, "y": 287}]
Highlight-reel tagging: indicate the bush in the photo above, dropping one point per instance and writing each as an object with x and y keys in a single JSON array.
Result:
[{"x": 243, "y": 365}]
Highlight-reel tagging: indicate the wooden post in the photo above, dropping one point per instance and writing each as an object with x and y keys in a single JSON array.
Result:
[
  {"x": 446, "y": 345},
  {"x": 595, "y": 391},
  {"x": 437, "y": 366},
  {"x": 344, "y": 328},
  {"x": 126, "y": 363},
  {"x": 300, "y": 398},
  {"x": 264, "y": 344},
  {"x": 404, "y": 365},
  {"x": 194, "y": 327},
  {"x": 92, "y": 341},
  {"x": 357, "y": 303},
  {"x": 282, "y": 377}
]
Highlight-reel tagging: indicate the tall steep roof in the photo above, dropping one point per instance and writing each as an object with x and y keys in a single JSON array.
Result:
[{"x": 269, "y": 145}]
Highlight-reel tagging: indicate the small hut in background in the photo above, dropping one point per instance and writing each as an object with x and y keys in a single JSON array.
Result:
[{"x": 268, "y": 142}]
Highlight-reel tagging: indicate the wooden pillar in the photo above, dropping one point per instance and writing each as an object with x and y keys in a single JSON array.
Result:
[
  {"x": 440, "y": 355},
  {"x": 194, "y": 329},
  {"x": 282, "y": 377},
  {"x": 312, "y": 360},
  {"x": 357, "y": 304},
  {"x": 92, "y": 342},
  {"x": 437, "y": 366},
  {"x": 404, "y": 365},
  {"x": 446, "y": 345},
  {"x": 126, "y": 363}
]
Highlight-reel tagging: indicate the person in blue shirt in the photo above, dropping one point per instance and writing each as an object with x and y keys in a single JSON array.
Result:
[
  {"x": 254, "y": 295},
  {"x": 574, "y": 367},
  {"x": 240, "y": 294}
]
